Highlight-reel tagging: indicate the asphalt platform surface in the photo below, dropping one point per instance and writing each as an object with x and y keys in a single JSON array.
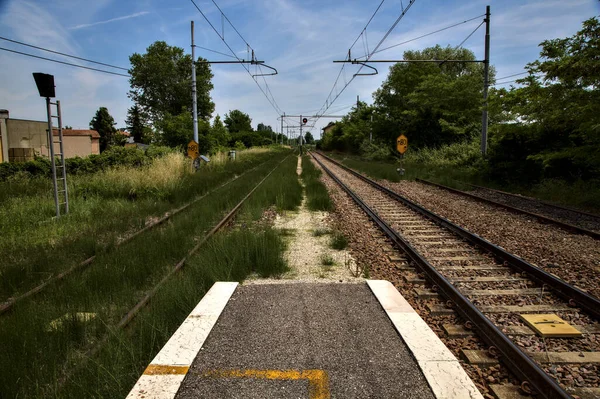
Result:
[{"x": 304, "y": 341}]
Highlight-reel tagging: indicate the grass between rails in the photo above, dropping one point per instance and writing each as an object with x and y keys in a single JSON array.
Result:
[
  {"x": 104, "y": 206},
  {"x": 117, "y": 281},
  {"x": 579, "y": 194},
  {"x": 317, "y": 197}
]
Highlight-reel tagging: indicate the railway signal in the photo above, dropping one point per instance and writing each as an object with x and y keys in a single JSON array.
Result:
[{"x": 304, "y": 121}]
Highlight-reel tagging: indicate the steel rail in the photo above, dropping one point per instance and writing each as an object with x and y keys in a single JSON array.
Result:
[
  {"x": 542, "y": 218},
  {"x": 520, "y": 364},
  {"x": 10, "y": 303},
  {"x": 550, "y": 204},
  {"x": 574, "y": 295},
  {"x": 135, "y": 310}
]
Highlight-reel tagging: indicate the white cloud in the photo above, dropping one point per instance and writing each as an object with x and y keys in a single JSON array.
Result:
[{"x": 134, "y": 15}]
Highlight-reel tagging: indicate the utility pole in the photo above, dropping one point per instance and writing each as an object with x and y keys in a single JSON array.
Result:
[
  {"x": 371, "y": 130},
  {"x": 282, "y": 116},
  {"x": 301, "y": 138},
  {"x": 194, "y": 99},
  {"x": 357, "y": 102},
  {"x": 486, "y": 64}
]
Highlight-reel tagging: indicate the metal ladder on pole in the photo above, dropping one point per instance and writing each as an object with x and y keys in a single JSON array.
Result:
[{"x": 59, "y": 170}]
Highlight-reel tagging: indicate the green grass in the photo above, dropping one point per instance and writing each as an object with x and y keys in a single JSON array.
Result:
[
  {"x": 338, "y": 241},
  {"x": 116, "y": 281},
  {"x": 104, "y": 207},
  {"x": 320, "y": 232},
  {"x": 317, "y": 195},
  {"x": 281, "y": 189},
  {"x": 327, "y": 260}
]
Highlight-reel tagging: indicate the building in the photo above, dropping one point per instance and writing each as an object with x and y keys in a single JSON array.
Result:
[
  {"x": 21, "y": 140},
  {"x": 328, "y": 128}
]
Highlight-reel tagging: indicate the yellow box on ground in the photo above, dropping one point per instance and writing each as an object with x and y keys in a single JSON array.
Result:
[{"x": 550, "y": 325}]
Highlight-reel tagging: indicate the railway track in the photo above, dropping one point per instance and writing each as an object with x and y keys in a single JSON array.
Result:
[
  {"x": 10, "y": 303},
  {"x": 488, "y": 287},
  {"x": 567, "y": 219},
  {"x": 126, "y": 320}
]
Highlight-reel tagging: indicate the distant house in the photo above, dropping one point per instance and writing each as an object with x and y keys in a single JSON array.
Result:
[
  {"x": 21, "y": 140},
  {"x": 328, "y": 128}
]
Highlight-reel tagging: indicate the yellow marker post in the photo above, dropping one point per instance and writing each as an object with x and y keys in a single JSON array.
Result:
[{"x": 401, "y": 144}]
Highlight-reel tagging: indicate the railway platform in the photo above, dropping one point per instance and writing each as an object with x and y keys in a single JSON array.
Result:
[{"x": 304, "y": 340}]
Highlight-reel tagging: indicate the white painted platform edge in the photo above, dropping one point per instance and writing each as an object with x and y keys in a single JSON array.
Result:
[
  {"x": 443, "y": 372},
  {"x": 184, "y": 344}
]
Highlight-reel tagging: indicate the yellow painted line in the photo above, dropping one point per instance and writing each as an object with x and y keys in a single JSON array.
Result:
[
  {"x": 318, "y": 380},
  {"x": 161, "y": 369}
]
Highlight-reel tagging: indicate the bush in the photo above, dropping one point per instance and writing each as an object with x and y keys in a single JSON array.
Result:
[
  {"x": 114, "y": 156},
  {"x": 374, "y": 152}
]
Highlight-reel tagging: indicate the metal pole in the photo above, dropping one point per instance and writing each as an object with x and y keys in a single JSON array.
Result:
[
  {"x": 194, "y": 100},
  {"x": 51, "y": 152},
  {"x": 301, "y": 134},
  {"x": 371, "y": 131},
  {"x": 282, "y": 116},
  {"x": 486, "y": 65}
]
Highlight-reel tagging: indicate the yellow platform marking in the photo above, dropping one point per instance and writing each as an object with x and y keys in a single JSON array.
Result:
[
  {"x": 161, "y": 369},
  {"x": 318, "y": 380},
  {"x": 550, "y": 325}
]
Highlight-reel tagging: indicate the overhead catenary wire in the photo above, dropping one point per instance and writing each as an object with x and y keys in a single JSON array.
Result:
[
  {"x": 65, "y": 63},
  {"x": 63, "y": 54},
  {"x": 429, "y": 34},
  {"x": 328, "y": 100},
  {"x": 222, "y": 36}
]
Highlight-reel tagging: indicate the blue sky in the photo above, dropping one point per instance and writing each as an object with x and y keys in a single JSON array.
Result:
[{"x": 299, "y": 38}]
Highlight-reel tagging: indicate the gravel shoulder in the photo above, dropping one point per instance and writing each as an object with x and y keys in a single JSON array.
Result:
[{"x": 307, "y": 250}]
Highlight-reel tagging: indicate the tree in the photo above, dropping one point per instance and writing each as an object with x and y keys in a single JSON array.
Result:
[
  {"x": 104, "y": 124},
  {"x": 178, "y": 131},
  {"x": 263, "y": 128},
  {"x": 218, "y": 134},
  {"x": 161, "y": 83},
  {"x": 238, "y": 121},
  {"x": 135, "y": 124},
  {"x": 68, "y": 127},
  {"x": 431, "y": 103},
  {"x": 308, "y": 138},
  {"x": 553, "y": 128}
]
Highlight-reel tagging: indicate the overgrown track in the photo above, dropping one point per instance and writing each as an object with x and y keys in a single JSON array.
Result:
[
  {"x": 568, "y": 219},
  {"x": 9, "y": 304},
  {"x": 135, "y": 310},
  {"x": 467, "y": 269}
]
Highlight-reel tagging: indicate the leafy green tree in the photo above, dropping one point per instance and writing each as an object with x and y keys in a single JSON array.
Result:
[
  {"x": 104, "y": 124},
  {"x": 263, "y": 128},
  {"x": 238, "y": 121},
  {"x": 552, "y": 123},
  {"x": 135, "y": 123},
  {"x": 178, "y": 131},
  {"x": 308, "y": 138},
  {"x": 431, "y": 103},
  {"x": 218, "y": 133},
  {"x": 161, "y": 83}
]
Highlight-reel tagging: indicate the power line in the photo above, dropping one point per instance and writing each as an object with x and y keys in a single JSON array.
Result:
[
  {"x": 214, "y": 51},
  {"x": 429, "y": 34},
  {"x": 273, "y": 102},
  {"x": 514, "y": 74},
  {"x": 59, "y": 53},
  {"x": 367, "y": 25},
  {"x": 329, "y": 102},
  {"x": 65, "y": 63}
]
